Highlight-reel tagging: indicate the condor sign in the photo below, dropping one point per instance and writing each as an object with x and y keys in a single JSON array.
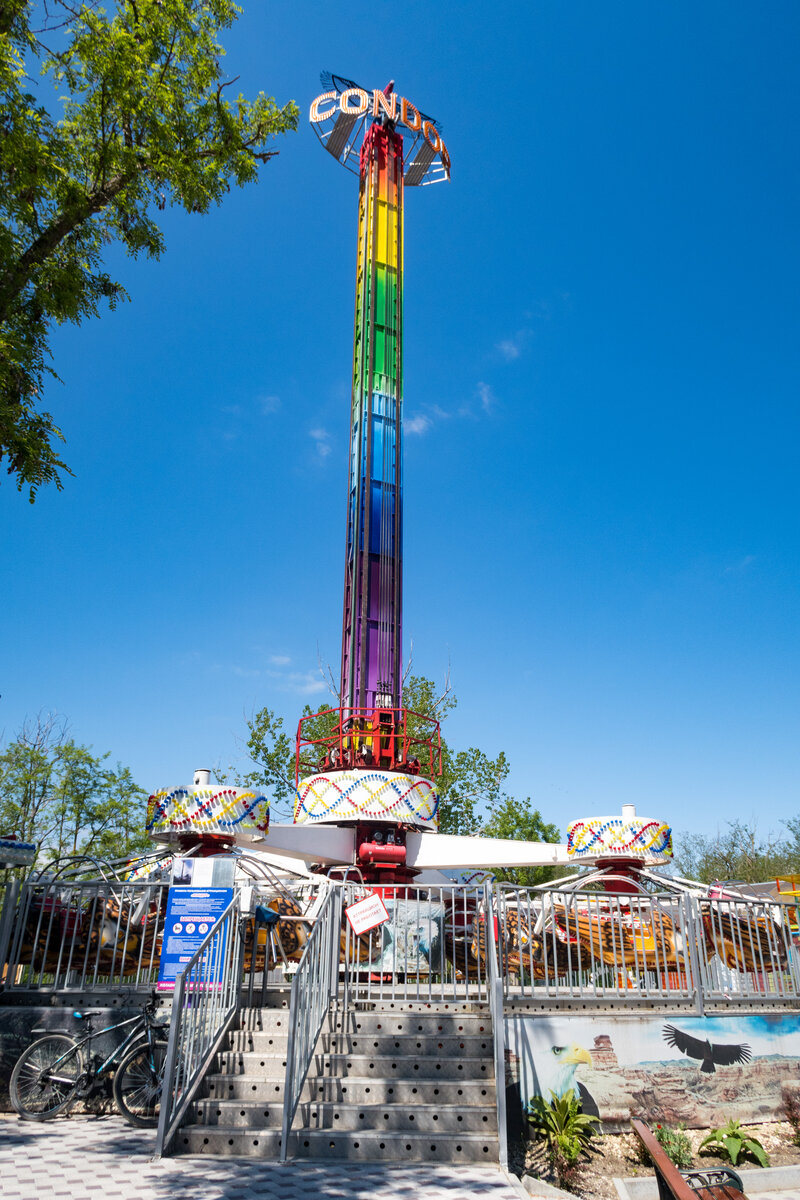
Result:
[{"x": 355, "y": 102}]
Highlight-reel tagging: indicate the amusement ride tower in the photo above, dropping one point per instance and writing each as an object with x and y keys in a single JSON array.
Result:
[
  {"x": 372, "y": 764},
  {"x": 365, "y": 771}
]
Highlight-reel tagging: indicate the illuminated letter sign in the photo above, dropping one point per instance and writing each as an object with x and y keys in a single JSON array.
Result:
[
  {"x": 359, "y": 107},
  {"x": 355, "y": 102},
  {"x": 316, "y": 115},
  {"x": 432, "y": 136},
  {"x": 387, "y": 103},
  {"x": 406, "y": 110}
]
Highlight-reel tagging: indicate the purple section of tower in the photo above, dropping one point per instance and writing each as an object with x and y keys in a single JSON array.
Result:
[{"x": 371, "y": 627}]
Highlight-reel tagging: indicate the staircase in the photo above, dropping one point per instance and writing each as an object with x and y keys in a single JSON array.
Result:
[{"x": 402, "y": 1082}]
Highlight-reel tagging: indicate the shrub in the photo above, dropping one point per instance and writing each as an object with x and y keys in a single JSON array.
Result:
[
  {"x": 675, "y": 1144},
  {"x": 791, "y": 1110},
  {"x": 732, "y": 1140},
  {"x": 565, "y": 1129}
]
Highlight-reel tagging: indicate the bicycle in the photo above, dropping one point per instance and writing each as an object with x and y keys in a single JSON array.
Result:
[{"x": 58, "y": 1069}]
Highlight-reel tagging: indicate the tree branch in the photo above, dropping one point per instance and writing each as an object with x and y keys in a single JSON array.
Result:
[{"x": 56, "y": 231}]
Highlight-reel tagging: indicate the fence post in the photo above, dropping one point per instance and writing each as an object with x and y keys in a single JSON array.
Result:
[
  {"x": 7, "y": 923},
  {"x": 167, "y": 1107},
  {"x": 694, "y": 926},
  {"x": 495, "y": 989},
  {"x": 336, "y": 924}
]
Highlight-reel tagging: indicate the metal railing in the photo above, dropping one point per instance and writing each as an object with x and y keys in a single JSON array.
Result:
[
  {"x": 672, "y": 948},
  {"x": 64, "y": 935},
  {"x": 498, "y": 1027},
  {"x": 314, "y": 989},
  {"x": 426, "y": 952},
  {"x": 204, "y": 1005},
  {"x": 748, "y": 951}
]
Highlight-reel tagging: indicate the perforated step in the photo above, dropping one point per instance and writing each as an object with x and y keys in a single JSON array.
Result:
[
  {"x": 370, "y": 1146},
  {"x": 399, "y": 1085},
  {"x": 356, "y": 1090},
  {"x": 416, "y": 1118}
]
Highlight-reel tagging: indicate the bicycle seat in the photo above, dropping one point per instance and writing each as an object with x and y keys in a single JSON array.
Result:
[{"x": 83, "y": 1016}]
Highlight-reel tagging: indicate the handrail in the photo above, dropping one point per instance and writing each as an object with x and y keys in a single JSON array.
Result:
[
  {"x": 314, "y": 987},
  {"x": 495, "y": 989},
  {"x": 205, "y": 1002}
]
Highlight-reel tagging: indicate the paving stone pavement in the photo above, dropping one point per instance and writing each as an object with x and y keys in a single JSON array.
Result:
[{"x": 103, "y": 1158}]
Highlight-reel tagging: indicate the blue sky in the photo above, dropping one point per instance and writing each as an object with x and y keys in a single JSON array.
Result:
[{"x": 601, "y": 384}]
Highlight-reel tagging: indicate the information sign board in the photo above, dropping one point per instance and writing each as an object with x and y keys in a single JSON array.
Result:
[
  {"x": 192, "y": 912},
  {"x": 366, "y": 914}
]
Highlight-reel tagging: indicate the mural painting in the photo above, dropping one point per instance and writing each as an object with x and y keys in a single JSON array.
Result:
[{"x": 702, "y": 1071}]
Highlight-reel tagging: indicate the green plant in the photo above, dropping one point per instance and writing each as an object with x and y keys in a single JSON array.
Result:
[
  {"x": 565, "y": 1129},
  {"x": 791, "y": 1110},
  {"x": 675, "y": 1144},
  {"x": 732, "y": 1140}
]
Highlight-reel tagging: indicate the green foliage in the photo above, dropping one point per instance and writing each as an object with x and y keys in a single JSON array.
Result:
[
  {"x": 272, "y": 752},
  {"x": 740, "y": 854},
  {"x": 731, "y": 1140},
  {"x": 790, "y": 1097},
  {"x": 58, "y": 794},
  {"x": 518, "y": 819},
  {"x": 675, "y": 1144},
  {"x": 140, "y": 119},
  {"x": 566, "y": 1131}
]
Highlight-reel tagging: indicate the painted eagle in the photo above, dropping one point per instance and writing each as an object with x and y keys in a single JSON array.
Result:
[{"x": 708, "y": 1053}]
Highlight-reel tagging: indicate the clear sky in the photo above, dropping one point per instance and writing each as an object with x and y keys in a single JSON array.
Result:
[{"x": 601, "y": 389}]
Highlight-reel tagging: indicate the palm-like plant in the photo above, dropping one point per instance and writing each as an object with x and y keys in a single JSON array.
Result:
[
  {"x": 566, "y": 1130},
  {"x": 732, "y": 1140}
]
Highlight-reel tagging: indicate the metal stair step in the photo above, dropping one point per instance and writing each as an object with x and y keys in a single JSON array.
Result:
[
  {"x": 357, "y": 1090},
  {"x": 397, "y": 1066},
  {"x": 369, "y": 1146},
  {"x": 419, "y": 1118},
  {"x": 249, "y": 1063},
  {"x": 264, "y": 1042},
  {"x": 259, "y": 1041},
  {"x": 387, "y": 1044},
  {"x": 372, "y": 1146},
  {"x": 264, "y": 1019},
  {"x": 427, "y": 1023}
]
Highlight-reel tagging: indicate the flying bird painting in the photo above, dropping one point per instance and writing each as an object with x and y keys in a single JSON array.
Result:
[{"x": 710, "y": 1054}]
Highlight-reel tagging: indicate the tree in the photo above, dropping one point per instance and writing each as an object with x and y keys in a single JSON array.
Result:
[
  {"x": 141, "y": 120},
  {"x": 518, "y": 819},
  {"x": 739, "y": 854},
  {"x": 58, "y": 794}
]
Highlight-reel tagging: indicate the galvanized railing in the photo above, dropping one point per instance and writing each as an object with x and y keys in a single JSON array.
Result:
[
  {"x": 314, "y": 989},
  {"x": 64, "y": 935},
  {"x": 426, "y": 952},
  {"x": 749, "y": 956},
  {"x": 671, "y": 948},
  {"x": 498, "y": 1026},
  {"x": 204, "y": 1005}
]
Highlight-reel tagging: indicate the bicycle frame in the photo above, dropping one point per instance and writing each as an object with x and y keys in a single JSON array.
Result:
[{"x": 140, "y": 1023}]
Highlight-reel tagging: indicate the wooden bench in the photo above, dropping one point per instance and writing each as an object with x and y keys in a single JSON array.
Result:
[{"x": 716, "y": 1183}]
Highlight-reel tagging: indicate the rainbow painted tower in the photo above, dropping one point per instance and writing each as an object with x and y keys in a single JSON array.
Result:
[
  {"x": 373, "y": 577},
  {"x": 375, "y": 759}
]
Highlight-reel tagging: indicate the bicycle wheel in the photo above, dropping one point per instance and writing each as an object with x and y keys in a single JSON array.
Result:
[
  {"x": 45, "y": 1076},
  {"x": 137, "y": 1083}
]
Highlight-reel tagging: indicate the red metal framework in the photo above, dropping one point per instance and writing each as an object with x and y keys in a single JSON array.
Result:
[{"x": 386, "y": 739}]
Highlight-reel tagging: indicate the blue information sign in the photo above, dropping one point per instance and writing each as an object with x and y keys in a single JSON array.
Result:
[{"x": 192, "y": 912}]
